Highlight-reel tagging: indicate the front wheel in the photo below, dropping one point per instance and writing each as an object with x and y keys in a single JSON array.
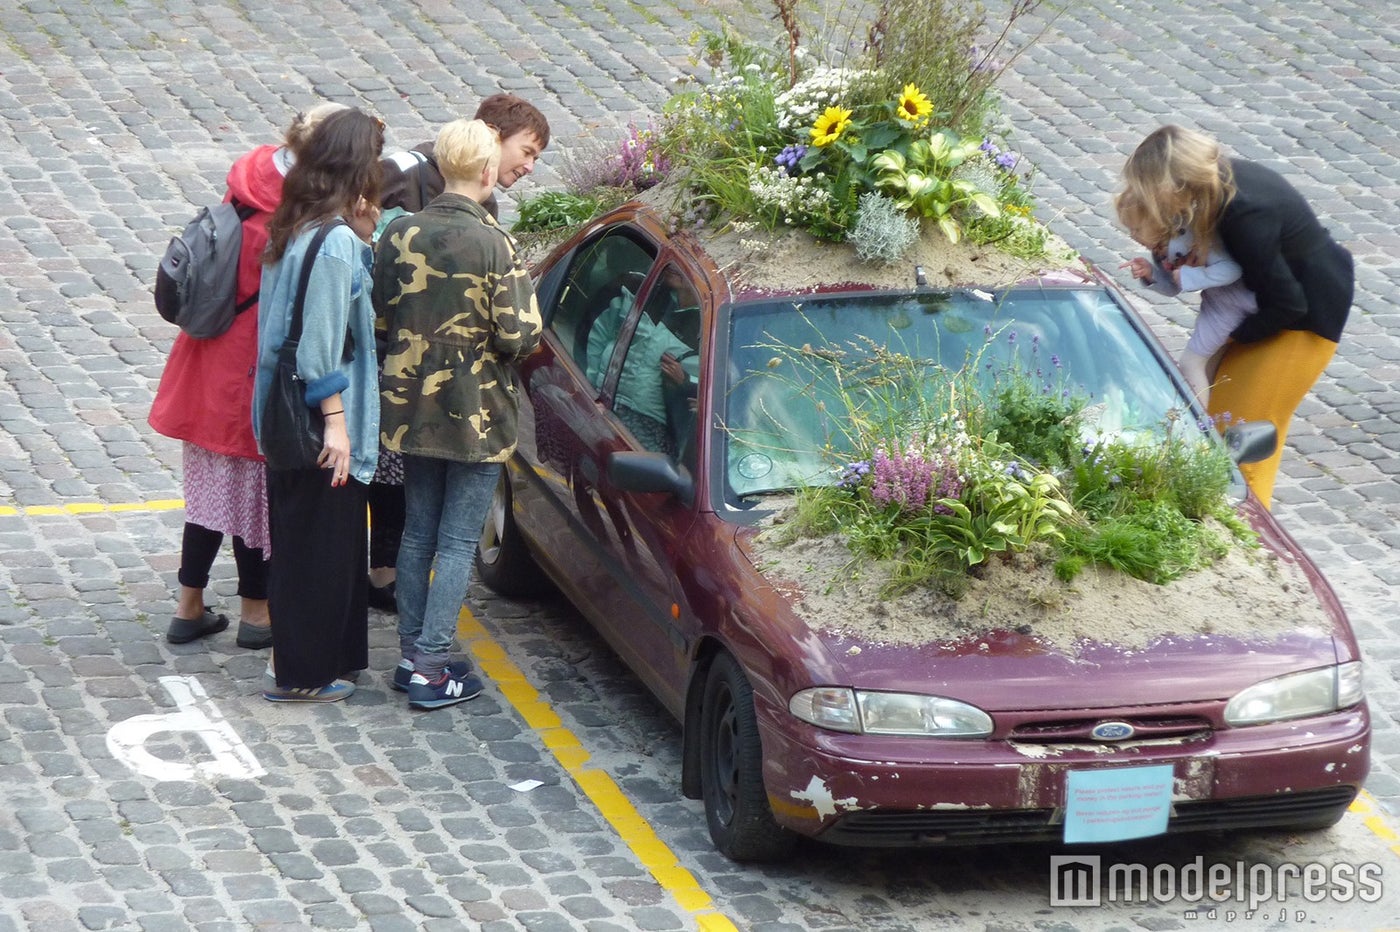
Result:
[
  {"x": 731, "y": 770},
  {"x": 503, "y": 559}
]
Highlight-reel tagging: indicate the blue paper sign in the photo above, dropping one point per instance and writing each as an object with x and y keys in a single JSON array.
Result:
[{"x": 1117, "y": 803}]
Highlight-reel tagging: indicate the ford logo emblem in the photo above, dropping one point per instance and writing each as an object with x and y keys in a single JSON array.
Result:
[{"x": 1112, "y": 731}]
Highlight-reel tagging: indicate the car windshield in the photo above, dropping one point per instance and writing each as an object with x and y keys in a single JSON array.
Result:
[{"x": 802, "y": 372}]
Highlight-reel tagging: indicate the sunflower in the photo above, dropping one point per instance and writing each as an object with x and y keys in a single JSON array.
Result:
[
  {"x": 829, "y": 126},
  {"x": 914, "y": 105}
]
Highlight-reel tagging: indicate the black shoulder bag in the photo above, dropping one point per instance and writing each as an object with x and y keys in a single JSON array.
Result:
[{"x": 292, "y": 433}]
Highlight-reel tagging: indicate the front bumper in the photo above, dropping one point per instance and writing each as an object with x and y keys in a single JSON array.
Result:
[{"x": 882, "y": 791}]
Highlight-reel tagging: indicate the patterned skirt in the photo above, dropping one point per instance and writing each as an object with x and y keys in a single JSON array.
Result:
[{"x": 227, "y": 494}]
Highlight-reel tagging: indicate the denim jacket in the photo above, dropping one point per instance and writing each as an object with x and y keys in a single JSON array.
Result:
[{"x": 336, "y": 352}]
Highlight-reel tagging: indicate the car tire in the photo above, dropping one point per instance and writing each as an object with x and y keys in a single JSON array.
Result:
[
  {"x": 731, "y": 770},
  {"x": 503, "y": 559}
]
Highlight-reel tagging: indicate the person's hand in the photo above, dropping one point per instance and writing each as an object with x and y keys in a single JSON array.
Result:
[
  {"x": 672, "y": 369},
  {"x": 335, "y": 449},
  {"x": 1140, "y": 268},
  {"x": 363, "y": 219}
]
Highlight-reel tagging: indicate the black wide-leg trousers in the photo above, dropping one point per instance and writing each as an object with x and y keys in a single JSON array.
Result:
[{"x": 318, "y": 587}]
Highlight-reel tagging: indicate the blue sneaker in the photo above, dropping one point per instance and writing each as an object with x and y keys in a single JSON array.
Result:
[
  {"x": 448, "y": 689},
  {"x": 333, "y": 691},
  {"x": 404, "y": 672}
]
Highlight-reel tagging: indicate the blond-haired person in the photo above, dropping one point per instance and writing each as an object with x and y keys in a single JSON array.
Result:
[
  {"x": 460, "y": 311},
  {"x": 1301, "y": 278}
]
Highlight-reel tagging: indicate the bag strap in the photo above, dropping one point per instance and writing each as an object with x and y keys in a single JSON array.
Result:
[
  {"x": 244, "y": 212},
  {"x": 422, "y": 183},
  {"x": 294, "y": 332}
]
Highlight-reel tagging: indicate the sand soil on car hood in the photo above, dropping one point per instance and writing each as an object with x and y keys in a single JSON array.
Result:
[{"x": 1250, "y": 595}]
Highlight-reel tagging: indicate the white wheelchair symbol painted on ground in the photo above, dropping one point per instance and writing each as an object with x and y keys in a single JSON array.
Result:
[{"x": 195, "y": 713}]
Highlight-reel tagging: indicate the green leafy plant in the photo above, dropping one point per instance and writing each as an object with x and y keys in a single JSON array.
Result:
[
  {"x": 554, "y": 210},
  {"x": 937, "y": 473},
  {"x": 925, "y": 181}
]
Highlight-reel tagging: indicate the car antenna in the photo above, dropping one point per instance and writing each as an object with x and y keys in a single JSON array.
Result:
[{"x": 920, "y": 279}]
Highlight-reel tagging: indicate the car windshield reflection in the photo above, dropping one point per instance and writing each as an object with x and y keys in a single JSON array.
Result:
[{"x": 801, "y": 371}]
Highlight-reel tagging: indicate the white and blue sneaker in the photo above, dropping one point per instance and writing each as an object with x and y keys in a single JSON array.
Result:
[
  {"x": 448, "y": 689},
  {"x": 404, "y": 672}
]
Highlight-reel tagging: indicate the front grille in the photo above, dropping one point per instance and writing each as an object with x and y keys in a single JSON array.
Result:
[
  {"x": 939, "y": 827},
  {"x": 1079, "y": 730}
]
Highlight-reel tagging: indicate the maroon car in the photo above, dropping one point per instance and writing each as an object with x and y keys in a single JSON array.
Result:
[{"x": 654, "y": 443}]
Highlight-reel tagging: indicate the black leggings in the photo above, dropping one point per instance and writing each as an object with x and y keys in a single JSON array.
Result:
[
  {"x": 385, "y": 524},
  {"x": 200, "y": 546}
]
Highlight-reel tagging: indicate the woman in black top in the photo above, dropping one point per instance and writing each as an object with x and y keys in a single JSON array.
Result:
[{"x": 1302, "y": 277}]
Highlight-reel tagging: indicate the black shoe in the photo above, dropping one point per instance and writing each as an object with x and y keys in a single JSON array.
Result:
[
  {"x": 383, "y": 597},
  {"x": 184, "y": 630},
  {"x": 254, "y": 637}
]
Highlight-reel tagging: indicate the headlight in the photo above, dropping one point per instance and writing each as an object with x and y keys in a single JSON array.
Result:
[
  {"x": 1297, "y": 695},
  {"x": 877, "y": 713}
]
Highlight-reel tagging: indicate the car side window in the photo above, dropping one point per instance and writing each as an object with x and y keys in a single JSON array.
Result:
[
  {"x": 602, "y": 281},
  {"x": 659, "y": 381}
]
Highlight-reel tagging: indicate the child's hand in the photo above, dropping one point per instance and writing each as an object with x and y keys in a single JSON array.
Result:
[{"x": 1140, "y": 268}]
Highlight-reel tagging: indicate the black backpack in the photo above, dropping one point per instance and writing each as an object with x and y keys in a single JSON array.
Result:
[{"x": 197, "y": 282}]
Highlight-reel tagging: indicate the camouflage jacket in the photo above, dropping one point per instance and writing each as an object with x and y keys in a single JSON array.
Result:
[{"x": 459, "y": 310}]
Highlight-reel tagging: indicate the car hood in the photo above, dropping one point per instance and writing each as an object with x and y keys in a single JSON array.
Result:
[{"x": 1006, "y": 664}]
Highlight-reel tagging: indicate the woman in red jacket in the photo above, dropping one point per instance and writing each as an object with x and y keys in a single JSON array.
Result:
[{"x": 204, "y": 399}]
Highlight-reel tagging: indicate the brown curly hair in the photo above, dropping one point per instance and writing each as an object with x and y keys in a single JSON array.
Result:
[{"x": 336, "y": 166}]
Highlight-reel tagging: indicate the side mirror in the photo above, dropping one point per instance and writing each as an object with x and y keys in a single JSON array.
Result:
[
  {"x": 1251, "y": 442},
  {"x": 651, "y": 472}
]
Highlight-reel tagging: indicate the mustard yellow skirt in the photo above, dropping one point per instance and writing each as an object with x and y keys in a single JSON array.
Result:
[{"x": 1266, "y": 381}]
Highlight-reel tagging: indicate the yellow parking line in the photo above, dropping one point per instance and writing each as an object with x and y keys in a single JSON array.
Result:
[
  {"x": 90, "y": 508},
  {"x": 602, "y": 791},
  {"x": 1365, "y": 806}
]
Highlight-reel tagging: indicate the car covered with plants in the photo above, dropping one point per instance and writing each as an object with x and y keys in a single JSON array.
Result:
[
  {"x": 673, "y": 414},
  {"x": 897, "y": 506}
]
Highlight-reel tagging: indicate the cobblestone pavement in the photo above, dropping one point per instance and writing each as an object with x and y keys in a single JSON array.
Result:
[{"x": 116, "y": 116}]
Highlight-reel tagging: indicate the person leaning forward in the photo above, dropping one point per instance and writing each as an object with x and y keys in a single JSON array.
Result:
[{"x": 411, "y": 182}]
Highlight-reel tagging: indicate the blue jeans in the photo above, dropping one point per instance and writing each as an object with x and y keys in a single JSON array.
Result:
[{"x": 445, "y": 505}]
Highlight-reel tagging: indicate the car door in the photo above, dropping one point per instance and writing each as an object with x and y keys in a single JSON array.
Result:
[{"x": 590, "y": 397}]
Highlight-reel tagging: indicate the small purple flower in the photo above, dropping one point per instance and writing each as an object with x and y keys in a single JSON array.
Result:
[
  {"x": 790, "y": 156},
  {"x": 1011, "y": 337},
  {"x": 1006, "y": 160},
  {"x": 1055, "y": 361}
]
